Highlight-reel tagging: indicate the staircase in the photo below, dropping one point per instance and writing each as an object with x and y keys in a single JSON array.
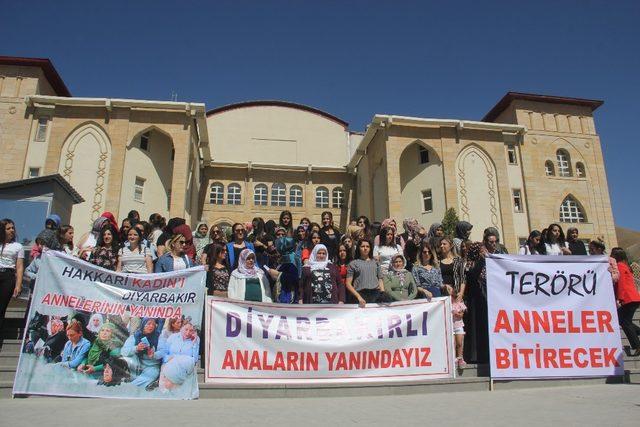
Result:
[{"x": 474, "y": 377}]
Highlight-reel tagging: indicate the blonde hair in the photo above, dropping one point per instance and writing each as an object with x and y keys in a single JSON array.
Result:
[{"x": 174, "y": 239}]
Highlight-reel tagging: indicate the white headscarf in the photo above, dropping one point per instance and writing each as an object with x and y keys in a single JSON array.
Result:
[
  {"x": 314, "y": 264},
  {"x": 242, "y": 264},
  {"x": 93, "y": 328}
]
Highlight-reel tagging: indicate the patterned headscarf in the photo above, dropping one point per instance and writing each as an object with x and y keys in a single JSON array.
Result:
[
  {"x": 412, "y": 227},
  {"x": 242, "y": 264}
]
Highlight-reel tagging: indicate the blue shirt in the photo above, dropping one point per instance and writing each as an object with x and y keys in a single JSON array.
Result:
[{"x": 72, "y": 356}]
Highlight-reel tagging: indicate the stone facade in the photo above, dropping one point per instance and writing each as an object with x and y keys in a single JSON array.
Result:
[{"x": 514, "y": 170}]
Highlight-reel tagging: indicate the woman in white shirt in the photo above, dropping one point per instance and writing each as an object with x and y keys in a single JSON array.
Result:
[
  {"x": 532, "y": 245},
  {"x": 11, "y": 266},
  {"x": 555, "y": 242},
  {"x": 135, "y": 258},
  {"x": 387, "y": 248}
]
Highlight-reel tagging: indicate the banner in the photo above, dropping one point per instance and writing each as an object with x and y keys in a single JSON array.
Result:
[
  {"x": 552, "y": 316},
  {"x": 261, "y": 343},
  {"x": 93, "y": 332}
]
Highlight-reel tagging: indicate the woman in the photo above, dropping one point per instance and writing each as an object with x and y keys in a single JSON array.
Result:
[
  {"x": 398, "y": 282},
  {"x": 347, "y": 241},
  {"x": 125, "y": 226},
  {"x": 218, "y": 274},
  {"x": 329, "y": 235},
  {"x": 157, "y": 224},
  {"x": 176, "y": 258},
  {"x": 364, "y": 223},
  {"x": 364, "y": 278},
  {"x": 345, "y": 256},
  {"x": 89, "y": 240},
  {"x": 305, "y": 222},
  {"x": 52, "y": 222},
  {"x": 189, "y": 249},
  {"x": 463, "y": 231},
  {"x": 413, "y": 236},
  {"x": 105, "y": 345},
  {"x": 314, "y": 226},
  {"x": 575, "y": 246},
  {"x": 388, "y": 222},
  {"x": 105, "y": 253},
  {"x": 171, "y": 326},
  {"x": 93, "y": 326},
  {"x": 476, "y": 318},
  {"x": 554, "y": 241},
  {"x": 628, "y": 299},
  {"x": 321, "y": 282},
  {"x": 65, "y": 237},
  {"x": 76, "y": 349},
  {"x": 248, "y": 282},
  {"x": 597, "y": 247},
  {"x": 238, "y": 244},
  {"x": 436, "y": 232},
  {"x": 134, "y": 216},
  {"x": 532, "y": 244},
  {"x": 140, "y": 349},
  {"x": 313, "y": 238},
  {"x": 286, "y": 222},
  {"x": 201, "y": 239},
  {"x": 167, "y": 233},
  {"x": 387, "y": 248},
  {"x": 499, "y": 247},
  {"x": 11, "y": 266},
  {"x": 185, "y": 343},
  {"x": 216, "y": 236},
  {"x": 135, "y": 258},
  {"x": 427, "y": 273},
  {"x": 451, "y": 269}
]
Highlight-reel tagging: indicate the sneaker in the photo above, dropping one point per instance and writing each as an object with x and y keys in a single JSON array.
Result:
[{"x": 461, "y": 363}]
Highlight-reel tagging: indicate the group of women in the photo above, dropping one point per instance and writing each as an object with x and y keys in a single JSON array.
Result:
[{"x": 317, "y": 263}]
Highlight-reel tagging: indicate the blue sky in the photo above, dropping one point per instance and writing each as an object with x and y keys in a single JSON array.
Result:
[{"x": 353, "y": 58}]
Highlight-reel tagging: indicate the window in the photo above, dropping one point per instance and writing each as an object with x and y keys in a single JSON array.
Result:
[
  {"x": 580, "y": 172},
  {"x": 322, "y": 197},
  {"x": 216, "y": 195},
  {"x": 234, "y": 196},
  {"x": 427, "y": 201},
  {"x": 570, "y": 211},
  {"x": 138, "y": 189},
  {"x": 41, "y": 132},
  {"x": 34, "y": 172},
  {"x": 295, "y": 196},
  {"x": 564, "y": 163},
  {"x": 517, "y": 201},
  {"x": 424, "y": 155},
  {"x": 260, "y": 195},
  {"x": 511, "y": 155},
  {"x": 144, "y": 141},
  {"x": 337, "y": 198},
  {"x": 278, "y": 194},
  {"x": 548, "y": 168}
]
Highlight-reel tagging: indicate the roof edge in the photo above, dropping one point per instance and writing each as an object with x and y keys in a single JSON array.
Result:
[
  {"x": 50, "y": 72},
  {"x": 277, "y": 103},
  {"x": 509, "y": 97}
]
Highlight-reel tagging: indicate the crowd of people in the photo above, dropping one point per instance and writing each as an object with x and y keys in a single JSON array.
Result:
[{"x": 281, "y": 262}]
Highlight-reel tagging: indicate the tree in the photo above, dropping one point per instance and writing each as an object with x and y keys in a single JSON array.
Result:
[{"x": 449, "y": 222}]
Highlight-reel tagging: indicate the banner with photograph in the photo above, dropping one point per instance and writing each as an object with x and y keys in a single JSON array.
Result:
[
  {"x": 262, "y": 343},
  {"x": 552, "y": 316},
  {"x": 92, "y": 332}
]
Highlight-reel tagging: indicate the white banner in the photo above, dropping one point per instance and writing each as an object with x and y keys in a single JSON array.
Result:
[
  {"x": 260, "y": 343},
  {"x": 552, "y": 316}
]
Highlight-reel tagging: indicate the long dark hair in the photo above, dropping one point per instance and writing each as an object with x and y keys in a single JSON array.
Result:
[
  {"x": 216, "y": 249},
  {"x": 360, "y": 242},
  {"x": 533, "y": 235},
  {"x": 561, "y": 239},
  {"x": 115, "y": 243},
  {"x": 289, "y": 227},
  {"x": 3, "y": 232},
  {"x": 619, "y": 255},
  {"x": 330, "y": 215},
  {"x": 383, "y": 237},
  {"x": 433, "y": 260},
  {"x": 349, "y": 256},
  {"x": 310, "y": 237}
]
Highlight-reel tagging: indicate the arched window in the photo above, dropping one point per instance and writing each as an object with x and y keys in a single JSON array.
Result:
[
  {"x": 234, "y": 195},
  {"x": 571, "y": 211},
  {"x": 337, "y": 198},
  {"x": 322, "y": 197},
  {"x": 564, "y": 162},
  {"x": 216, "y": 194},
  {"x": 260, "y": 195},
  {"x": 278, "y": 194},
  {"x": 549, "y": 170},
  {"x": 295, "y": 196},
  {"x": 580, "y": 171}
]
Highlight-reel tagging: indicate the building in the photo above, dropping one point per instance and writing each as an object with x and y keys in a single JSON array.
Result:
[{"x": 532, "y": 160}]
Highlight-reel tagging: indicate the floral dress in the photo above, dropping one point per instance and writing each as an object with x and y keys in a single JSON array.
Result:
[{"x": 104, "y": 257}]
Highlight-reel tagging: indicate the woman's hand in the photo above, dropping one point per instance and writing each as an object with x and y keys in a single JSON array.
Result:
[
  {"x": 17, "y": 290},
  {"x": 80, "y": 368},
  {"x": 361, "y": 302},
  {"x": 449, "y": 289},
  {"x": 460, "y": 297}
]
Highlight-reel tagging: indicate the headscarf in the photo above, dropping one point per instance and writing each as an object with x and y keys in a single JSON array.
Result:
[
  {"x": 178, "y": 369},
  {"x": 474, "y": 254},
  {"x": 387, "y": 223},
  {"x": 185, "y": 230},
  {"x": 200, "y": 240},
  {"x": 112, "y": 220},
  {"x": 173, "y": 223},
  {"x": 96, "y": 228},
  {"x": 99, "y": 346},
  {"x": 90, "y": 326},
  {"x": 242, "y": 264},
  {"x": 49, "y": 239},
  {"x": 463, "y": 228},
  {"x": 433, "y": 230},
  {"x": 399, "y": 273},
  {"x": 55, "y": 218},
  {"x": 412, "y": 227},
  {"x": 152, "y": 337},
  {"x": 314, "y": 264}
]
